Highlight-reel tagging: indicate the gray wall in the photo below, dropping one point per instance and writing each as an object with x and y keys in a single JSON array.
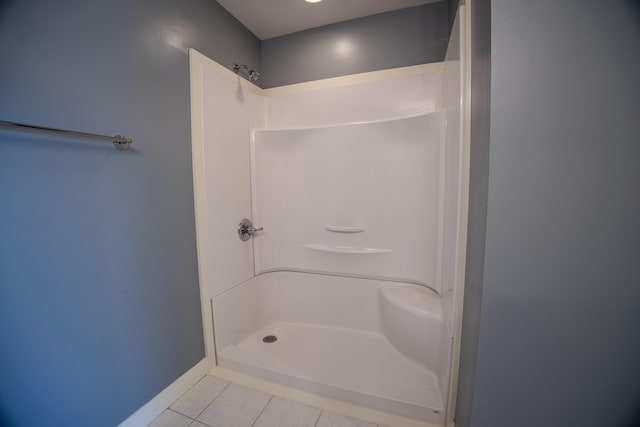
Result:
[
  {"x": 558, "y": 340},
  {"x": 99, "y": 302},
  {"x": 405, "y": 37}
]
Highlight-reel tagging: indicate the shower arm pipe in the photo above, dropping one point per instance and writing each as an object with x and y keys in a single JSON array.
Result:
[
  {"x": 120, "y": 142},
  {"x": 253, "y": 75}
]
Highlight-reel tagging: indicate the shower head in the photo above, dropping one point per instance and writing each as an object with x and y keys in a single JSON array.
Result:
[{"x": 253, "y": 75}]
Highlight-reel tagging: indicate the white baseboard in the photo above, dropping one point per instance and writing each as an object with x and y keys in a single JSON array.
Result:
[{"x": 166, "y": 397}]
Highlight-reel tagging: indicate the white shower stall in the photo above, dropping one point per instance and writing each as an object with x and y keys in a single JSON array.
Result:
[{"x": 350, "y": 285}]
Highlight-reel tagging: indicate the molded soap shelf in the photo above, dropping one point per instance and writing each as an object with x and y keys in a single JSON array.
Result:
[
  {"x": 346, "y": 249},
  {"x": 343, "y": 229}
]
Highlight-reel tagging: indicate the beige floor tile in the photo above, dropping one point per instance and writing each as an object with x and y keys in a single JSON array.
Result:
[
  {"x": 193, "y": 402},
  {"x": 329, "y": 419},
  {"x": 236, "y": 406},
  {"x": 285, "y": 413},
  {"x": 170, "y": 419}
]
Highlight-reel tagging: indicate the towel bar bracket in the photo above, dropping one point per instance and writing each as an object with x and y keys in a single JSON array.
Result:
[{"x": 122, "y": 142}]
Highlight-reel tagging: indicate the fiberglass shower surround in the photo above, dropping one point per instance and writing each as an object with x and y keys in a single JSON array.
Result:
[{"x": 349, "y": 289}]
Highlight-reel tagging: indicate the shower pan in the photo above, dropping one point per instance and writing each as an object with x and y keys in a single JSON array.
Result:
[{"x": 330, "y": 231}]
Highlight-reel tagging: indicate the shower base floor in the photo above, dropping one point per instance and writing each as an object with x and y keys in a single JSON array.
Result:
[{"x": 344, "y": 364}]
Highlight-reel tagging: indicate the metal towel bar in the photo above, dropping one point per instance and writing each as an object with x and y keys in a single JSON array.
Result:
[{"x": 120, "y": 142}]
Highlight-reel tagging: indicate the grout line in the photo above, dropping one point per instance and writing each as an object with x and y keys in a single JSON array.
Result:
[
  {"x": 183, "y": 394},
  {"x": 181, "y": 414},
  {"x": 260, "y": 413},
  {"x": 178, "y": 412},
  {"x": 214, "y": 399},
  {"x": 318, "y": 419}
]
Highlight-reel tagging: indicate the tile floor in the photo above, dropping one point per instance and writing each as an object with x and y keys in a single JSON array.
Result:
[{"x": 213, "y": 402}]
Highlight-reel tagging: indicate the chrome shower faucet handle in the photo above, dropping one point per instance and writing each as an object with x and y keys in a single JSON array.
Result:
[{"x": 246, "y": 229}]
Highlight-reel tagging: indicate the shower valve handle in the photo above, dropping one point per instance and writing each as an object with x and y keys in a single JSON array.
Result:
[{"x": 246, "y": 229}]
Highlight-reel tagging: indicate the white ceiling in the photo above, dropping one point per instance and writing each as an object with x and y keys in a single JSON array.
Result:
[{"x": 272, "y": 18}]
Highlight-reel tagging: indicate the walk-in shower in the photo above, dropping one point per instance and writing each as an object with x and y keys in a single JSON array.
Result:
[{"x": 329, "y": 230}]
